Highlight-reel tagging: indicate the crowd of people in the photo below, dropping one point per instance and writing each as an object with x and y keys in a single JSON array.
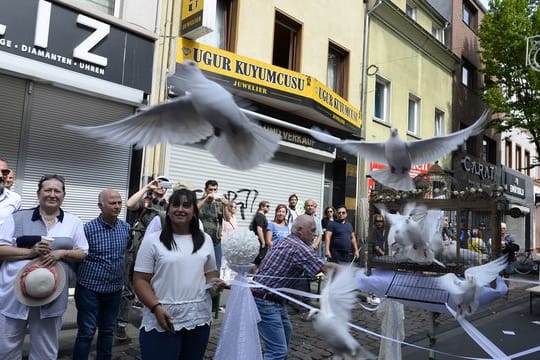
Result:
[{"x": 168, "y": 262}]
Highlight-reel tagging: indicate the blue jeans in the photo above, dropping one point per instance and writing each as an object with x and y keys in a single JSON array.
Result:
[
  {"x": 219, "y": 254},
  {"x": 274, "y": 328},
  {"x": 183, "y": 344},
  {"x": 95, "y": 310}
]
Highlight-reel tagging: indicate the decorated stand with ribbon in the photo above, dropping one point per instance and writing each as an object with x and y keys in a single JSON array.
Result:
[{"x": 239, "y": 337}]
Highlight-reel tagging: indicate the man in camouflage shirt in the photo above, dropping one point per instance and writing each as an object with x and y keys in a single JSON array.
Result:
[{"x": 211, "y": 215}]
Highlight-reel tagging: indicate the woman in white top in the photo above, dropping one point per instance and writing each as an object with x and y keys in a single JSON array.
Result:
[
  {"x": 175, "y": 276},
  {"x": 228, "y": 226}
]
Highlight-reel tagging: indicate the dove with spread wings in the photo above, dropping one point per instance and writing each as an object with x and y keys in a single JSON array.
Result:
[
  {"x": 207, "y": 112},
  {"x": 465, "y": 293},
  {"x": 411, "y": 233},
  {"x": 330, "y": 321},
  {"x": 400, "y": 155}
]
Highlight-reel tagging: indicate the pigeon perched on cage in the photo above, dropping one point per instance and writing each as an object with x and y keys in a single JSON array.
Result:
[
  {"x": 465, "y": 293},
  {"x": 207, "y": 112},
  {"x": 338, "y": 298},
  {"x": 466, "y": 256},
  {"x": 400, "y": 155}
]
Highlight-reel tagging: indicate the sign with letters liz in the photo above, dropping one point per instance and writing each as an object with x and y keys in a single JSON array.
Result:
[{"x": 61, "y": 36}]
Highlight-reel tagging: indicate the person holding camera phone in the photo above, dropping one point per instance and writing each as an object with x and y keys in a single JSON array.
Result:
[
  {"x": 211, "y": 214},
  {"x": 148, "y": 203}
]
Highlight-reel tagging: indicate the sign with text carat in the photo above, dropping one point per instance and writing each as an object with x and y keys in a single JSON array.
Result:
[{"x": 265, "y": 79}]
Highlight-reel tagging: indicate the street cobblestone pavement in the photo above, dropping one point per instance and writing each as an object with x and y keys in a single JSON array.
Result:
[{"x": 305, "y": 344}]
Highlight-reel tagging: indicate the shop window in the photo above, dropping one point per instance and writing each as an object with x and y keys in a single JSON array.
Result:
[
  {"x": 527, "y": 170},
  {"x": 439, "y": 123},
  {"x": 223, "y": 35},
  {"x": 489, "y": 150},
  {"x": 519, "y": 164},
  {"x": 286, "y": 42},
  {"x": 337, "y": 69},
  {"x": 508, "y": 153},
  {"x": 106, "y": 6},
  {"x": 382, "y": 99},
  {"x": 413, "y": 115}
]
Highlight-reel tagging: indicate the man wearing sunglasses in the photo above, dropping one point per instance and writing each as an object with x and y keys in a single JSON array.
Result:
[
  {"x": 340, "y": 239},
  {"x": 9, "y": 201}
]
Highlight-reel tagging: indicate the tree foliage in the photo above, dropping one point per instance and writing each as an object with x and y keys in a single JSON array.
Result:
[{"x": 512, "y": 88}]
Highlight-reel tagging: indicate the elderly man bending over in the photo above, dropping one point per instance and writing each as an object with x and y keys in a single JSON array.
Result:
[{"x": 288, "y": 260}]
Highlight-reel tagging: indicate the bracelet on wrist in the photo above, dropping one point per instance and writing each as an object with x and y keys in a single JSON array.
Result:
[{"x": 153, "y": 308}]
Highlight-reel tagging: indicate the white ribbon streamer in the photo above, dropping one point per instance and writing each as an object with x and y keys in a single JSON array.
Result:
[
  {"x": 478, "y": 337},
  {"x": 490, "y": 348}
]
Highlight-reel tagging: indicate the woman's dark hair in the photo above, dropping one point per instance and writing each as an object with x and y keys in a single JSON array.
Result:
[
  {"x": 329, "y": 208},
  {"x": 177, "y": 198},
  {"x": 50, "y": 177}
]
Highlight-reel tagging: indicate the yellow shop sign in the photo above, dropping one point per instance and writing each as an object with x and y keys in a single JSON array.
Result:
[{"x": 242, "y": 73}]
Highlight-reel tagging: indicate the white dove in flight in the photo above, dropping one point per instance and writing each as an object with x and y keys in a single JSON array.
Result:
[
  {"x": 400, "y": 155},
  {"x": 206, "y": 112},
  {"x": 330, "y": 322},
  {"x": 465, "y": 293}
]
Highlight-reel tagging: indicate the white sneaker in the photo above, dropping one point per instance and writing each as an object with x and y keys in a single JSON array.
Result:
[{"x": 373, "y": 300}]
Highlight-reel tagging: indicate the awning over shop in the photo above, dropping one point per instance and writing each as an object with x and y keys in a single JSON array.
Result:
[{"x": 279, "y": 88}]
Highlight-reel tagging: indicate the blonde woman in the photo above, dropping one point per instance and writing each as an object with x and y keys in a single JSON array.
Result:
[{"x": 228, "y": 225}]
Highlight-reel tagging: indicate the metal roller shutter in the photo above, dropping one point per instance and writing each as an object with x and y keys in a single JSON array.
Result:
[
  {"x": 88, "y": 166},
  {"x": 12, "y": 95},
  {"x": 274, "y": 181}
]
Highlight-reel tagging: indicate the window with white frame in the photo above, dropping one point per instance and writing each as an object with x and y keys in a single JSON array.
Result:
[
  {"x": 438, "y": 33},
  {"x": 410, "y": 10},
  {"x": 439, "y": 123},
  {"x": 382, "y": 99},
  {"x": 223, "y": 35},
  {"x": 106, "y": 6},
  {"x": 413, "y": 115},
  {"x": 468, "y": 74}
]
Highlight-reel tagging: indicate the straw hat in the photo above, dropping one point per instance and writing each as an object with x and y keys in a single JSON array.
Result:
[{"x": 37, "y": 285}]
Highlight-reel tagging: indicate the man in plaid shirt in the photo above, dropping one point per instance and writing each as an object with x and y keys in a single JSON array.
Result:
[
  {"x": 100, "y": 278},
  {"x": 290, "y": 259}
]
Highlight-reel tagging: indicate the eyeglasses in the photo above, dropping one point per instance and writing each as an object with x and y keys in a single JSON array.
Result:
[{"x": 341, "y": 212}]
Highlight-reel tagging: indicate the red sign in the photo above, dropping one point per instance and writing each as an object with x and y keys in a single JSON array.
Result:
[{"x": 414, "y": 172}]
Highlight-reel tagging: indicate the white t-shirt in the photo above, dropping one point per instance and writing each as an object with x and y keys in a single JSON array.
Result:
[
  {"x": 178, "y": 280},
  {"x": 9, "y": 202}
]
